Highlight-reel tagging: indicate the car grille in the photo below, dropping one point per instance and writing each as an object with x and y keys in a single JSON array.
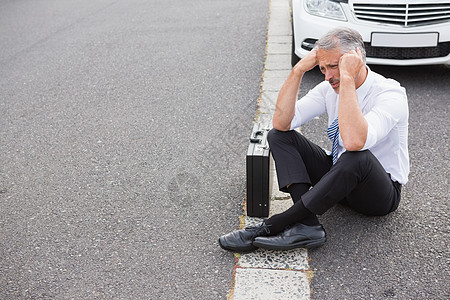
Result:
[
  {"x": 442, "y": 49},
  {"x": 406, "y": 15}
]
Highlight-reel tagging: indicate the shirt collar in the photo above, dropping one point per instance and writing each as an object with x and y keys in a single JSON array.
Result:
[{"x": 363, "y": 90}]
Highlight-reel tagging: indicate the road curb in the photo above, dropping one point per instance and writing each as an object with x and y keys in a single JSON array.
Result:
[{"x": 273, "y": 274}]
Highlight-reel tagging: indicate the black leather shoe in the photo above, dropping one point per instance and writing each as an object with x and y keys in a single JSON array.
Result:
[
  {"x": 242, "y": 240},
  {"x": 298, "y": 236}
]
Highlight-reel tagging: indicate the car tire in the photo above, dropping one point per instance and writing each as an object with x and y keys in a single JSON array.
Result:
[{"x": 294, "y": 58}]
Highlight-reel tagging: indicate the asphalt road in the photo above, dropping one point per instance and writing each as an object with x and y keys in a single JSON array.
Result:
[
  {"x": 404, "y": 255},
  {"x": 123, "y": 131}
]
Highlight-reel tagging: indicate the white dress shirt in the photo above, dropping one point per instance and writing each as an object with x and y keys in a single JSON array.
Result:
[{"x": 384, "y": 105}]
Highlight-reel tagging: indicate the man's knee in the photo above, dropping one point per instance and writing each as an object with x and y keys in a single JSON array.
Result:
[
  {"x": 356, "y": 159},
  {"x": 276, "y": 136},
  {"x": 273, "y": 135}
]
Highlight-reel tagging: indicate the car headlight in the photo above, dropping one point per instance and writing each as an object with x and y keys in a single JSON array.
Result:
[{"x": 325, "y": 8}]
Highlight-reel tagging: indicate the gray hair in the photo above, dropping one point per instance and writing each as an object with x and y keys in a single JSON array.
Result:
[{"x": 342, "y": 38}]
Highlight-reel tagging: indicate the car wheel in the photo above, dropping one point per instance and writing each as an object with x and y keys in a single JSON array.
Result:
[{"x": 294, "y": 58}]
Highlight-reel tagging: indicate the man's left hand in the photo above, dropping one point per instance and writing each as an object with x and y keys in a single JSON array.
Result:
[{"x": 351, "y": 63}]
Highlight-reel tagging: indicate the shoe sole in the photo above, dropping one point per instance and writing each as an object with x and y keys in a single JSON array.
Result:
[
  {"x": 249, "y": 249},
  {"x": 303, "y": 244}
]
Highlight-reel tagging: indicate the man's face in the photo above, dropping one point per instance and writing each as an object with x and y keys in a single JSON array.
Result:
[{"x": 328, "y": 61}]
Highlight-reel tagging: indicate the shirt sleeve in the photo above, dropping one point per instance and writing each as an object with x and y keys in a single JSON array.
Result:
[
  {"x": 390, "y": 107},
  {"x": 309, "y": 106}
]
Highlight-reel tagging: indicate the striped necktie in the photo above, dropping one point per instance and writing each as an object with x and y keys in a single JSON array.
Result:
[{"x": 333, "y": 134}]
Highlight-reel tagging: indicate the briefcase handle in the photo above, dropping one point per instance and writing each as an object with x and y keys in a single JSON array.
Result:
[{"x": 256, "y": 140}]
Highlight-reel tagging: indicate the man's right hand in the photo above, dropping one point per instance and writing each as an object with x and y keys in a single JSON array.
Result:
[
  {"x": 308, "y": 62},
  {"x": 285, "y": 107}
]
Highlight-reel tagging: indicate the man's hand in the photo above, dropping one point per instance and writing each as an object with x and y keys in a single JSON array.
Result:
[
  {"x": 352, "y": 124},
  {"x": 285, "y": 107},
  {"x": 351, "y": 63},
  {"x": 308, "y": 62}
]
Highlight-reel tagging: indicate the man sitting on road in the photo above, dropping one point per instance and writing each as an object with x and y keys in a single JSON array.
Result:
[{"x": 368, "y": 126}]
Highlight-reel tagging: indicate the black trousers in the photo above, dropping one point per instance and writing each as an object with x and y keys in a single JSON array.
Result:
[{"x": 357, "y": 179}]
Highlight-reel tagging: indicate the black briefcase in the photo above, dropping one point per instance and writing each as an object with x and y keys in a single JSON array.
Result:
[{"x": 259, "y": 179}]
